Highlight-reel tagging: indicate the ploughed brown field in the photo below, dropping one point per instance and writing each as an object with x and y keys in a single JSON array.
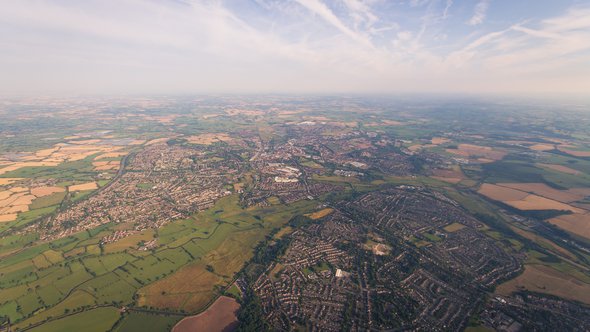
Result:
[
  {"x": 574, "y": 223},
  {"x": 221, "y": 316}
]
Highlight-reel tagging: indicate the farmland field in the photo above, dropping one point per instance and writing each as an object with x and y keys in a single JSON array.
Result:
[
  {"x": 153, "y": 211},
  {"x": 221, "y": 316},
  {"x": 544, "y": 279}
]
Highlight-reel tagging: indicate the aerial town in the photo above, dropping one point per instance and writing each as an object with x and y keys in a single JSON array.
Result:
[{"x": 319, "y": 221}]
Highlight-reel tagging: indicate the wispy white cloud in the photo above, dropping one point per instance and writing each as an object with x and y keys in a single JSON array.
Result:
[
  {"x": 448, "y": 6},
  {"x": 479, "y": 14},
  {"x": 320, "y": 9},
  {"x": 297, "y": 46}
]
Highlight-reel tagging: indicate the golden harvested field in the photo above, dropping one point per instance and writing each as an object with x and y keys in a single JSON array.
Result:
[
  {"x": 208, "y": 139},
  {"x": 157, "y": 140},
  {"x": 543, "y": 279},
  {"x": 574, "y": 223},
  {"x": 542, "y": 147},
  {"x": 499, "y": 193},
  {"x": 544, "y": 190},
  {"x": 534, "y": 202},
  {"x": 439, "y": 140},
  {"x": 574, "y": 152},
  {"x": 415, "y": 147},
  {"x": 46, "y": 191},
  {"x": 454, "y": 227},
  {"x": 391, "y": 123},
  {"x": 320, "y": 214},
  {"x": 59, "y": 153},
  {"x": 524, "y": 201},
  {"x": 561, "y": 168},
  {"x": 221, "y": 316},
  {"x": 83, "y": 186},
  {"x": 111, "y": 155},
  {"x": 19, "y": 165},
  {"x": 4, "y": 195},
  {"x": 7, "y": 217},
  {"x": 129, "y": 242},
  {"x": 284, "y": 231},
  {"x": 19, "y": 189},
  {"x": 6, "y": 181}
]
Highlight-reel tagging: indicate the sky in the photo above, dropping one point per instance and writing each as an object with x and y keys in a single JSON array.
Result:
[{"x": 532, "y": 47}]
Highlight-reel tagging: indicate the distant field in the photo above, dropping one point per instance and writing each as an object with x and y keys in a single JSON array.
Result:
[
  {"x": 543, "y": 279},
  {"x": 575, "y": 223},
  {"x": 221, "y": 316},
  {"x": 454, "y": 227},
  {"x": 138, "y": 322},
  {"x": 96, "y": 320},
  {"x": 517, "y": 195},
  {"x": 320, "y": 214}
]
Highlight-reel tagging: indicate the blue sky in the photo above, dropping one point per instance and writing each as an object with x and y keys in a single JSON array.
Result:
[{"x": 295, "y": 46}]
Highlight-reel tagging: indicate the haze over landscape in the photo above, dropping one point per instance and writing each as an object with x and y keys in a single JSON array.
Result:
[{"x": 299, "y": 46}]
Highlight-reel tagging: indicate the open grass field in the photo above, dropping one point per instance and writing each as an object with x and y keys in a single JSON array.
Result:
[
  {"x": 549, "y": 245},
  {"x": 75, "y": 301},
  {"x": 219, "y": 255},
  {"x": 454, "y": 175},
  {"x": 454, "y": 227},
  {"x": 511, "y": 171},
  {"x": 561, "y": 168},
  {"x": 543, "y": 279},
  {"x": 221, "y": 316},
  {"x": 130, "y": 242},
  {"x": 140, "y": 322},
  {"x": 96, "y": 320},
  {"x": 47, "y": 201},
  {"x": 194, "y": 257}
]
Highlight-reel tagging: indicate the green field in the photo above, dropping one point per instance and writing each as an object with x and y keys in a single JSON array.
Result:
[
  {"x": 96, "y": 320},
  {"x": 41, "y": 282},
  {"x": 140, "y": 322}
]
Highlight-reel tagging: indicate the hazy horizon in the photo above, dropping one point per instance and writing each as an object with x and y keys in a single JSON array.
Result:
[{"x": 533, "y": 48}]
